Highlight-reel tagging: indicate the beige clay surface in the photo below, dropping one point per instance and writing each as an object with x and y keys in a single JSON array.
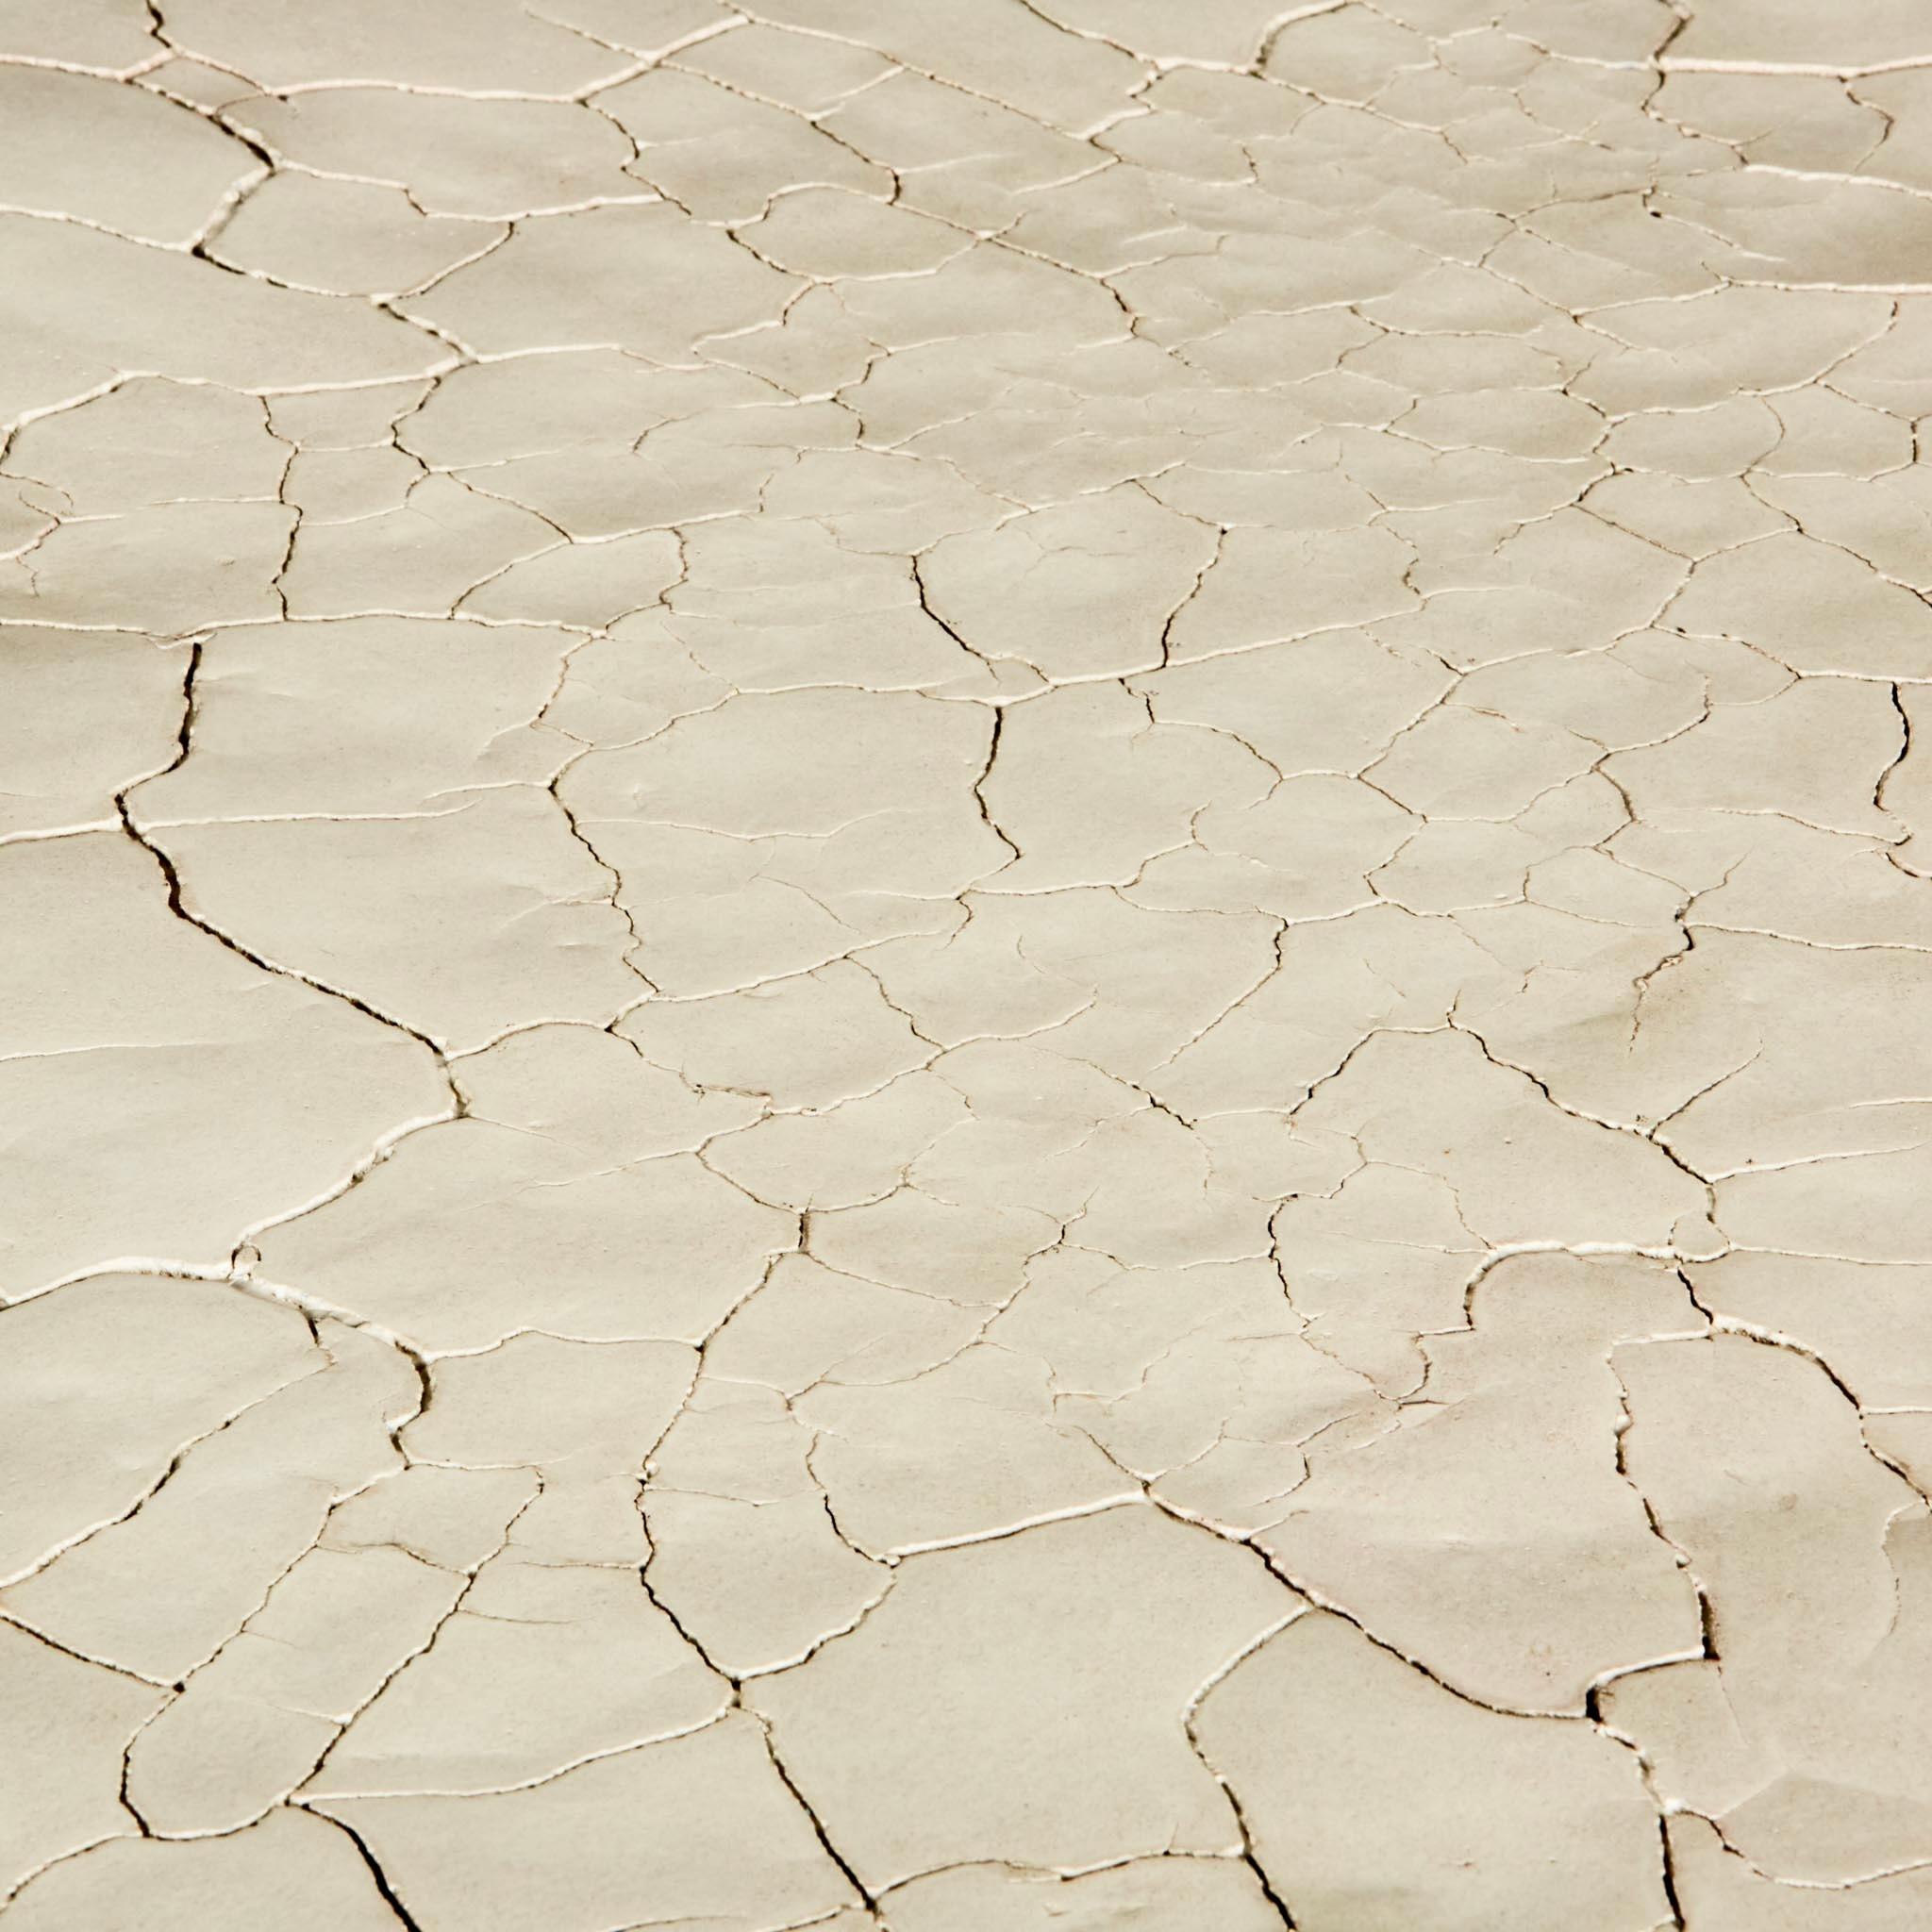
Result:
[{"x": 968, "y": 966}]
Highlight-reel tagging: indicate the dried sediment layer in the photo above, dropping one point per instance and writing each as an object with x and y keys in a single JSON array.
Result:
[{"x": 966, "y": 967}]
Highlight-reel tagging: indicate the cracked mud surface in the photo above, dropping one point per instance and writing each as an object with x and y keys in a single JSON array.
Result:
[{"x": 966, "y": 966}]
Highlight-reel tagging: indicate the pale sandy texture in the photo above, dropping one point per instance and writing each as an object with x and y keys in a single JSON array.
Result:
[{"x": 964, "y": 966}]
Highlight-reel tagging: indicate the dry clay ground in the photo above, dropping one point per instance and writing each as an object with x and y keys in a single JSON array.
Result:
[{"x": 969, "y": 966}]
